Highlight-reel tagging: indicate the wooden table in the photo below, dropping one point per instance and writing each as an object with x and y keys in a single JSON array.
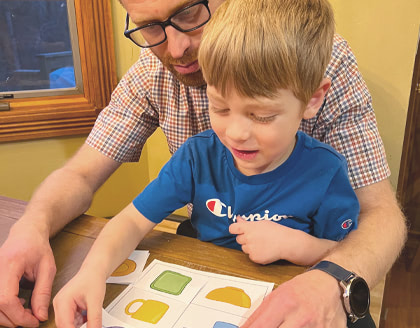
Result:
[{"x": 72, "y": 244}]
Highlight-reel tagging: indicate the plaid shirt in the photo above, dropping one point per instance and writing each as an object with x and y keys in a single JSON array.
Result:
[{"x": 149, "y": 96}]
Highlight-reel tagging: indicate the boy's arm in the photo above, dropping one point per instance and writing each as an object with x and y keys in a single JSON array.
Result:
[
  {"x": 86, "y": 290},
  {"x": 117, "y": 240},
  {"x": 267, "y": 241},
  {"x": 308, "y": 249}
]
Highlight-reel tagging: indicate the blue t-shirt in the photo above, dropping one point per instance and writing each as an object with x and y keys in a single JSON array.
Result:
[{"x": 310, "y": 191}]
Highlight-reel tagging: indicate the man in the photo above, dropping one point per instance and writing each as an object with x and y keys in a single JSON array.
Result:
[{"x": 165, "y": 88}]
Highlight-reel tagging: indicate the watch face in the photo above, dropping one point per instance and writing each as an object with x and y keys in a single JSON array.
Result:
[{"x": 359, "y": 297}]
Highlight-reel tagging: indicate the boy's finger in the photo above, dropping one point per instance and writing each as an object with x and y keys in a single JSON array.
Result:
[
  {"x": 240, "y": 239},
  {"x": 239, "y": 219},
  {"x": 65, "y": 314},
  {"x": 245, "y": 249},
  {"x": 94, "y": 316},
  {"x": 237, "y": 228}
]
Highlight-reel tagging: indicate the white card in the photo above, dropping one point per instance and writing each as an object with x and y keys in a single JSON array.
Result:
[{"x": 130, "y": 269}]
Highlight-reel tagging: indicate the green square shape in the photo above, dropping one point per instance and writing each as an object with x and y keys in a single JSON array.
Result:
[{"x": 170, "y": 282}]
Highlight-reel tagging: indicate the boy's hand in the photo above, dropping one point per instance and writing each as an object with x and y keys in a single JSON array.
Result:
[
  {"x": 264, "y": 241},
  {"x": 267, "y": 241},
  {"x": 84, "y": 293}
]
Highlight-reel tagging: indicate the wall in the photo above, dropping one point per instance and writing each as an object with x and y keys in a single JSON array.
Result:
[
  {"x": 25, "y": 165},
  {"x": 383, "y": 35}
]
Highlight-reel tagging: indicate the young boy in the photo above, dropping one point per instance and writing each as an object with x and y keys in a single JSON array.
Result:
[{"x": 264, "y": 63}]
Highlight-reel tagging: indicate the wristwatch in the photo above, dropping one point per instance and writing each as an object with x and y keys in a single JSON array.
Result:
[{"x": 356, "y": 296}]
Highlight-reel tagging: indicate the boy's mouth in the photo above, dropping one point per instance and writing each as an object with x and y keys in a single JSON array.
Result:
[{"x": 244, "y": 154}]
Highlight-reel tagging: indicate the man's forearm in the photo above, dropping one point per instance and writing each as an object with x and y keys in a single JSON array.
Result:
[
  {"x": 67, "y": 192},
  {"x": 63, "y": 196},
  {"x": 372, "y": 248}
]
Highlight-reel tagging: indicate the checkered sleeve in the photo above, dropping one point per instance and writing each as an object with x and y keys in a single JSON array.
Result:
[
  {"x": 123, "y": 127},
  {"x": 347, "y": 120}
]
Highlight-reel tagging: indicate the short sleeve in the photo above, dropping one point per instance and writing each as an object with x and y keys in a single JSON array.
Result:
[
  {"x": 172, "y": 189},
  {"x": 339, "y": 209},
  {"x": 123, "y": 127}
]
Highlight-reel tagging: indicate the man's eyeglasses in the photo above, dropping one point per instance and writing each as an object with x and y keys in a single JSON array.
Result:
[{"x": 186, "y": 19}]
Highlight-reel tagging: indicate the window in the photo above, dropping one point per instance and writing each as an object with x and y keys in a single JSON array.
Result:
[
  {"x": 38, "y": 52},
  {"x": 58, "y": 78}
]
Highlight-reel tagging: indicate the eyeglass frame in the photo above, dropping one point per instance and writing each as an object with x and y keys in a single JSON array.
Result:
[{"x": 164, "y": 24}]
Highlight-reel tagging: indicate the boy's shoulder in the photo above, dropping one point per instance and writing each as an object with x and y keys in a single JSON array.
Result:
[
  {"x": 200, "y": 148},
  {"x": 202, "y": 141},
  {"x": 320, "y": 148},
  {"x": 205, "y": 136}
]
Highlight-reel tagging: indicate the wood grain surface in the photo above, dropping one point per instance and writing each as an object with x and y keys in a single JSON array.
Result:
[{"x": 72, "y": 244}]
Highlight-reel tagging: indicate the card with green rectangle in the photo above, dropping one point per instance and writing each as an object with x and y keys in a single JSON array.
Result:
[{"x": 170, "y": 282}]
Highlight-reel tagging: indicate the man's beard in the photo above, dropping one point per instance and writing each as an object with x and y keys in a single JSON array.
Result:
[{"x": 193, "y": 79}]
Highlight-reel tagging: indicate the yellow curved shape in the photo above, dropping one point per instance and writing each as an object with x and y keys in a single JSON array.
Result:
[
  {"x": 232, "y": 295},
  {"x": 127, "y": 267}
]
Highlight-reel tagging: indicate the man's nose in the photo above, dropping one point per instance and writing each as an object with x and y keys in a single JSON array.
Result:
[{"x": 178, "y": 42}]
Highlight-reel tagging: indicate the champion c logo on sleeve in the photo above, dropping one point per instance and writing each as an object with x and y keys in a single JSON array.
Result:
[{"x": 347, "y": 224}]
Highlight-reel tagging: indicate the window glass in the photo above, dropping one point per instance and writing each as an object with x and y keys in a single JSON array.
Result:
[
  {"x": 36, "y": 69},
  {"x": 36, "y": 47}
]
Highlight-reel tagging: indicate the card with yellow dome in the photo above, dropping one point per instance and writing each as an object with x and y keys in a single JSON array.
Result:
[{"x": 130, "y": 270}]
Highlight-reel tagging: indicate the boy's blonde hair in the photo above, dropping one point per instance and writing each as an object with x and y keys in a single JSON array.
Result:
[{"x": 260, "y": 46}]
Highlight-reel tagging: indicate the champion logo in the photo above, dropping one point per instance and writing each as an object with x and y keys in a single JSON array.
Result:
[
  {"x": 220, "y": 209},
  {"x": 347, "y": 224},
  {"x": 215, "y": 206}
]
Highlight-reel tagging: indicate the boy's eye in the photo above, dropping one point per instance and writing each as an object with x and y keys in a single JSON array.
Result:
[
  {"x": 263, "y": 119},
  {"x": 219, "y": 110}
]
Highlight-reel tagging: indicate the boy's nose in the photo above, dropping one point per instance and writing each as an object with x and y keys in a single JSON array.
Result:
[
  {"x": 238, "y": 130},
  {"x": 178, "y": 42}
]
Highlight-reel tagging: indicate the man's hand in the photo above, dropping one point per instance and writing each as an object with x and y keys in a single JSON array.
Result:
[
  {"x": 26, "y": 253},
  {"x": 84, "y": 293},
  {"x": 312, "y": 299}
]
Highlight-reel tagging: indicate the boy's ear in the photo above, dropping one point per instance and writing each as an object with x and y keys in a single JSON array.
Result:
[{"x": 317, "y": 99}]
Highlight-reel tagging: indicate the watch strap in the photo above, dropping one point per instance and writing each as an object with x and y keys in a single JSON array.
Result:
[{"x": 334, "y": 270}]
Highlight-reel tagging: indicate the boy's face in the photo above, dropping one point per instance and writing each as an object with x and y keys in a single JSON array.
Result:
[
  {"x": 179, "y": 52},
  {"x": 259, "y": 132}
]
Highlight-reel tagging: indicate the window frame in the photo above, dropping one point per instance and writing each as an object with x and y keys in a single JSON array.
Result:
[{"x": 55, "y": 116}]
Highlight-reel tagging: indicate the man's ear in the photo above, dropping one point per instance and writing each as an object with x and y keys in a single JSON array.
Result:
[{"x": 317, "y": 99}]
